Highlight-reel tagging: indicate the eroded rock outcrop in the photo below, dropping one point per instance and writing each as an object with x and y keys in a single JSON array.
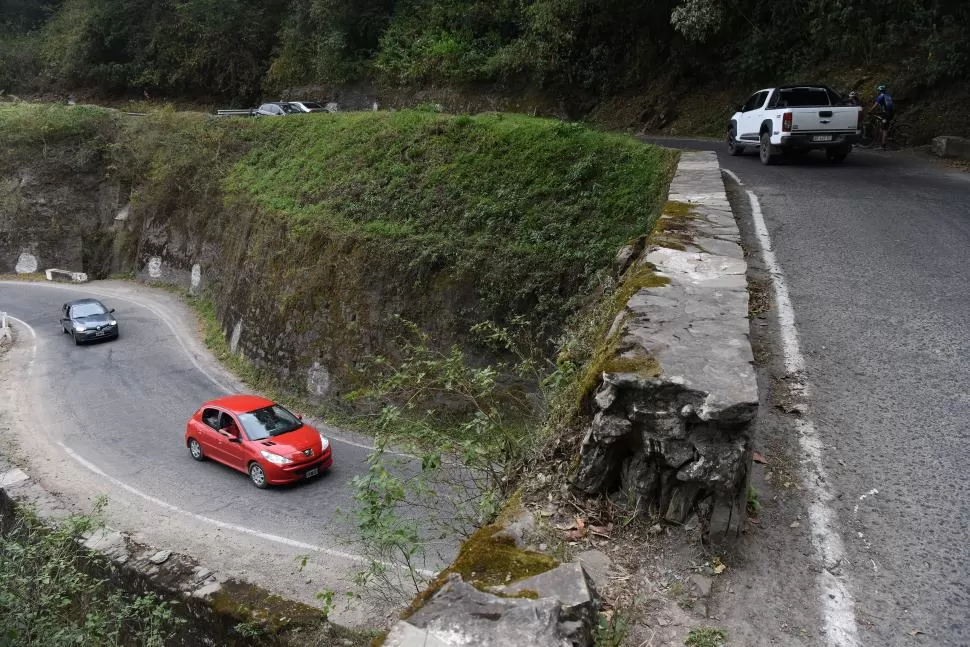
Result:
[{"x": 556, "y": 606}]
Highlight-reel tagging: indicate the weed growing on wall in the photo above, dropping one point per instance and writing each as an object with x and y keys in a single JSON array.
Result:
[{"x": 462, "y": 429}]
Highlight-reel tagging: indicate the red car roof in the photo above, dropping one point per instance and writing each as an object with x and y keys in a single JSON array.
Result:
[{"x": 240, "y": 403}]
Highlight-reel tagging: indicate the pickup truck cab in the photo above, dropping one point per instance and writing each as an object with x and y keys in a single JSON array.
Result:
[{"x": 795, "y": 119}]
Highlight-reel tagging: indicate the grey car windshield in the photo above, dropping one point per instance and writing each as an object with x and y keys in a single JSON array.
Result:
[
  {"x": 87, "y": 309},
  {"x": 268, "y": 421}
]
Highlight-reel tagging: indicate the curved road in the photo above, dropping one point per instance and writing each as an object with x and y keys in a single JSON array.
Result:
[
  {"x": 109, "y": 418},
  {"x": 876, "y": 255}
]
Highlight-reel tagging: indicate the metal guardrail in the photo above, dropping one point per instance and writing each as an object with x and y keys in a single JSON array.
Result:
[{"x": 249, "y": 112}]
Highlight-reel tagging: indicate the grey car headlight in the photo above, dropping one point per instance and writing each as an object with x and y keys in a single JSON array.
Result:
[{"x": 78, "y": 328}]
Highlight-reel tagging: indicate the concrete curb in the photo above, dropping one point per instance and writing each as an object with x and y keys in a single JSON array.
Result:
[
  {"x": 672, "y": 414},
  {"x": 54, "y": 274}
]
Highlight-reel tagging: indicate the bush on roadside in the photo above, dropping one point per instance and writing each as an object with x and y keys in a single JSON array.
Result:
[{"x": 48, "y": 598}]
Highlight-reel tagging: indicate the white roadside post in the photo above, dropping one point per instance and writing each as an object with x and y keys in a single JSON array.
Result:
[{"x": 5, "y": 335}]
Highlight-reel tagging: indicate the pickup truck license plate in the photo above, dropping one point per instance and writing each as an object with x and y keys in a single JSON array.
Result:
[
  {"x": 822, "y": 138},
  {"x": 313, "y": 472}
]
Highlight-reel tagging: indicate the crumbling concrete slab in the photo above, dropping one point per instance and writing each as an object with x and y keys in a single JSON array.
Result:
[{"x": 682, "y": 435}]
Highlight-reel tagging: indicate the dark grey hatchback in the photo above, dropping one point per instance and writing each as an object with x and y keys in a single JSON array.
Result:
[{"x": 88, "y": 320}]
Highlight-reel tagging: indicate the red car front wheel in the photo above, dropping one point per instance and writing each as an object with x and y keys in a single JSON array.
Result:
[{"x": 257, "y": 475}]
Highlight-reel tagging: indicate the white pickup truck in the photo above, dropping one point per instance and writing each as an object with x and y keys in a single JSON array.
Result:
[{"x": 795, "y": 119}]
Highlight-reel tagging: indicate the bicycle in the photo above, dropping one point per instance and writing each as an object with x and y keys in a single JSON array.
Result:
[{"x": 899, "y": 134}]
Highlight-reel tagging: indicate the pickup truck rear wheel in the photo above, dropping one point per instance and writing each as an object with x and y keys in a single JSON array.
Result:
[
  {"x": 767, "y": 151},
  {"x": 734, "y": 147},
  {"x": 837, "y": 155}
]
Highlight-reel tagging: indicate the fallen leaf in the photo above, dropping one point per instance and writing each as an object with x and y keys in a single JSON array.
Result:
[
  {"x": 916, "y": 632},
  {"x": 754, "y": 520},
  {"x": 758, "y": 457},
  {"x": 575, "y": 535},
  {"x": 718, "y": 566},
  {"x": 794, "y": 524}
]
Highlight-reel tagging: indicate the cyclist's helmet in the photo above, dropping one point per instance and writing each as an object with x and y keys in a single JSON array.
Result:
[{"x": 881, "y": 87}]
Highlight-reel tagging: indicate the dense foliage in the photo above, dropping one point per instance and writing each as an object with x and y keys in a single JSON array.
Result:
[{"x": 244, "y": 48}]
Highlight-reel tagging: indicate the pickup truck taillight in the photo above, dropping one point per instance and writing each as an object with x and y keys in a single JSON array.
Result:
[{"x": 786, "y": 123}]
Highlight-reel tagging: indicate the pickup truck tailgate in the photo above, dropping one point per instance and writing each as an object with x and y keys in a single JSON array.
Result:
[{"x": 834, "y": 118}]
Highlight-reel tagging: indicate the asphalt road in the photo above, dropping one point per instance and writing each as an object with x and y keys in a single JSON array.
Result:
[{"x": 876, "y": 254}]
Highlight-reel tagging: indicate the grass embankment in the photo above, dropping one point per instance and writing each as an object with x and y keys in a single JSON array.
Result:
[{"x": 533, "y": 208}]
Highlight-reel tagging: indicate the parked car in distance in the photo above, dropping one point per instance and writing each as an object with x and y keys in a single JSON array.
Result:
[
  {"x": 258, "y": 437},
  {"x": 277, "y": 109},
  {"x": 795, "y": 119},
  {"x": 308, "y": 106},
  {"x": 88, "y": 320}
]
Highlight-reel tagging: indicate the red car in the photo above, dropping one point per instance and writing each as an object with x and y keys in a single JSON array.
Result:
[{"x": 259, "y": 437}]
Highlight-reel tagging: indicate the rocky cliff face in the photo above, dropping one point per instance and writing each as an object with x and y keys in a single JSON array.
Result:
[{"x": 56, "y": 210}]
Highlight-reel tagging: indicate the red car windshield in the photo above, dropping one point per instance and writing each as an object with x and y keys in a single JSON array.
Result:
[{"x": 268, "y": 421}]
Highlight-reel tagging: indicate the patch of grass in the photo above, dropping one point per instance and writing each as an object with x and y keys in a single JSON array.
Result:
[
  {"x": 754, "y": 505},
  {"x": 706, "y": 637},
  {"x": 47, "y": 124},
  {"x": 611, "y": 630}
]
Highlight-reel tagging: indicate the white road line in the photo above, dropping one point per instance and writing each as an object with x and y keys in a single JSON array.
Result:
[
  {"x": 838, "y": 607},
  {"x": 733, "y": 176},
  {"x": 794, "y": 362},
  {"x": 225, "y": 389},
  {"x": 33, "y": 333},
  {"x": 231, "y": 526}
]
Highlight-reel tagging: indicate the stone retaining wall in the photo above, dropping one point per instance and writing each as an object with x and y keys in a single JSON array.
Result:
[{"x": 671, "y": 424}]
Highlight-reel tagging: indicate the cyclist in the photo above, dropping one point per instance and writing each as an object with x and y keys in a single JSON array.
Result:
[
  {"x": 885, "y": 109},
  {"x": 854, "y": 99}
]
